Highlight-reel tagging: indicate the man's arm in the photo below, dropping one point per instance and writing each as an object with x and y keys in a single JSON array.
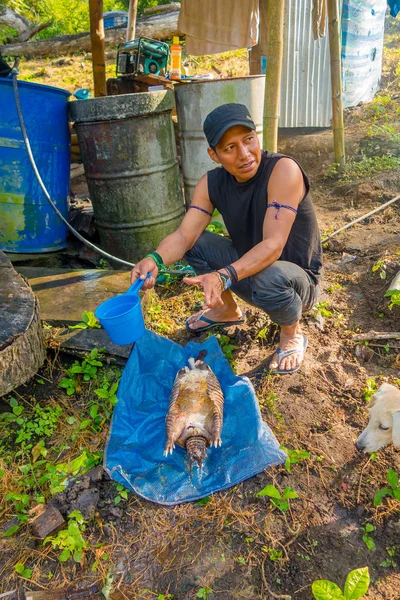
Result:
[
  {"x": 175, "y": 245},
  {"x": 286, "y": 186}
]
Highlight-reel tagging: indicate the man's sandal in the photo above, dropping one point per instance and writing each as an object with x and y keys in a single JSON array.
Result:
[
  {"x": 210, "y": 323},
  {"x": 300, "y": 350}
]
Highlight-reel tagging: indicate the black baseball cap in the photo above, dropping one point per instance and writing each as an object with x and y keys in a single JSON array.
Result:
[{"x": 223, "y": 118}]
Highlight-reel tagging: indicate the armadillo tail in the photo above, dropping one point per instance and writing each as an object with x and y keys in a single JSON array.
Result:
[
  {"x": 191, "y": 362},
  {"x": 196, "y": 447}
]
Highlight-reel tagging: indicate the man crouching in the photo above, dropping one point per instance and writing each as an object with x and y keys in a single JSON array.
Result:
[{"x": 273, "y": 258}]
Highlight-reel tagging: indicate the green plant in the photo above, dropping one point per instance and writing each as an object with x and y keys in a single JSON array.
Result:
[
  {"x": 274, "y": 555},
  {"x": 269, "y": 401},
  {"x": 89, "y": 321},
  {"x": 122, "y": 494},
  {"x": 394, "y": 296},
  {"x": 70, "y": 541},
  {"x": 380, "y": 266},
  {"x": 204, "y": 593},
  {"x": 294, "y": 457},
  {"x": 322, "y": 309},
  {"x": 392, "y": 492},
  {"x": 20, "y": 504},
  {"x": 367, "y": 538},
  {"x": 81, "y": 372},
  {"x": 226, "y": 347},
  {"x": 370, "y": 388},
  {"x": 355, "y": 587},
  {"x": 280, "y": 501},
  {"x": 20, "y": 569},
  {"x": 334, "y": 287},
  {"x": 215, "y": 227},
  {"x": 165, "y": 597},
  {"x": 389, "y": 562}
]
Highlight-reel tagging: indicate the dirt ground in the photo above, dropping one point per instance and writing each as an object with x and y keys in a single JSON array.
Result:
[{"x": 234, "y": 545}]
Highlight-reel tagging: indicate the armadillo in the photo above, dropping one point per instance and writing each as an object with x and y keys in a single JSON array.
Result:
[{"x": 194, "y": 419}]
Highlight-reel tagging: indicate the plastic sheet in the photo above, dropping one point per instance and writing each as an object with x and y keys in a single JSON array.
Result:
[
  {"x": 134, "y": 453},
  {"x": 362, "y": 45}
]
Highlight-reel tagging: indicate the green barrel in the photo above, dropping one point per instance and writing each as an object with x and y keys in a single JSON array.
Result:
[{"x": 128, "y": 150}]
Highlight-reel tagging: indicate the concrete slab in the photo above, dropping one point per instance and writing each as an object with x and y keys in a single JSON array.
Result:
[{"x": 64, "y": 294}]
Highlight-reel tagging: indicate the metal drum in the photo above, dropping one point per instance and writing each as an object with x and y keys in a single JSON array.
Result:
[
  {"x": 128, "y": 150},
  {"x": 27, "y": 221},
  {"x": 194, "y": 101}
]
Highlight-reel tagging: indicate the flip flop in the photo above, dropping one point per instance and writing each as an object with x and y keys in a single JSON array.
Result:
[
  {"x": 300, "y": 349},
  {"x": 210, "y": 323}
]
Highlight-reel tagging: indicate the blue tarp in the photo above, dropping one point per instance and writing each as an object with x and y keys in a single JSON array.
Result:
[{"x": 134, "y": 454}]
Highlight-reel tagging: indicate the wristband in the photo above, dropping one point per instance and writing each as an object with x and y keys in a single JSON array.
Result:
[
  {"x": 157, "y": 259},
  {"x": 225, "y": 280},
  {"x": 232, "y": 273}
]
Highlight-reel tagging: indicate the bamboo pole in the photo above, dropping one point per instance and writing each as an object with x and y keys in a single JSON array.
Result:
[
  {"x": 131, "y": 29},
  {"x": 273, "y": 77},
  {"x": 336, "y": 80},
  {"x": 97, "y": 42}
]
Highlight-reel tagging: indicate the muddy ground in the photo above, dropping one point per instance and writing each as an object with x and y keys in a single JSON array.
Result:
[{"x": 236, "y": 545}]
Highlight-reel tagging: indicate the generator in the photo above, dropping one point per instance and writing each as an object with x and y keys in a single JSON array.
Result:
[{"x": 142, "y": 56}]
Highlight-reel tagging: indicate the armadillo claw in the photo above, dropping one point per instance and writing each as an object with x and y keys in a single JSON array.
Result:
[
  {"x": 217, "y": 442},
  {"x": 169, "y": 448}
]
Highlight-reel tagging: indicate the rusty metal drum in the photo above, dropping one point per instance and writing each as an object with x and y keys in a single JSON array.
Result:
[
  {"x": 128, "y": 150},
  {"x": 194, "y": 101}
]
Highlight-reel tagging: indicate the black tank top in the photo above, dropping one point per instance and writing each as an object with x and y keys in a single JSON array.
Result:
[{"x": 243, "y": 207}]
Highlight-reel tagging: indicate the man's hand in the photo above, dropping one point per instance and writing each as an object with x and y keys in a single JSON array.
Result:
[
  {"x": 212, "y": 288},
  {"x": 141, "y": 269}
]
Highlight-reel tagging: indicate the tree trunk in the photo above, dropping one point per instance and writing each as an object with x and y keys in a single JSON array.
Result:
[
  {"x": 132, "y": 18},
  {"x": 11, "y": 19},
  {"x": 273, "y": 76},
  {"x": 336, "y": 80},
  {"x": 23, "y": 26},
  {"x": 159, "y": 27},
  {"x": 21, "y": 344},
  {"x": 97, "y": 45}
]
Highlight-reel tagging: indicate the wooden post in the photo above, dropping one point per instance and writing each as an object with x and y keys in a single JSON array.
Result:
[
  {"x": 336, "y": 79},
  {"x": 273, "y": 76},
  {"x": 97, "y": 43},
  {"x": 131, "y": 29},
  {"x": 256, "y": 53}
]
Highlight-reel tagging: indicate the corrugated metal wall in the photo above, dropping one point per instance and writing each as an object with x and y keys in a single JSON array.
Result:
[{"x": 306, "y": 83}]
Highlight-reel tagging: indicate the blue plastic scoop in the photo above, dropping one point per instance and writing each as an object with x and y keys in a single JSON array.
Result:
[{"x": 122, "y": 316}]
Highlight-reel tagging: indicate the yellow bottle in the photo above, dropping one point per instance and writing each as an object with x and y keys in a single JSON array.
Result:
[{"x": 176, "y": 59}]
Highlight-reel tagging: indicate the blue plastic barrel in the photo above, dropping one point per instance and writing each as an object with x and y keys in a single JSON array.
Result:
[{"x": 27, "y": 221}]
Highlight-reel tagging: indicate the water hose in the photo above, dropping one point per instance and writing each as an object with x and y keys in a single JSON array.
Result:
[{"x": 182, "y": 271}]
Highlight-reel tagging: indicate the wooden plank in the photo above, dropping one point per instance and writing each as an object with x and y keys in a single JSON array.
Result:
[{"x": 75, "y": 341}]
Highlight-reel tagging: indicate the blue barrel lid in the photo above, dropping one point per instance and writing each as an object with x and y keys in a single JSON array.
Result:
[{"x": 31, "y": 84}]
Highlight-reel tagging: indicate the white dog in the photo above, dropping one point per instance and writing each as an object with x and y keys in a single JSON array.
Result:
[{"x": 384, "y": 420}]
